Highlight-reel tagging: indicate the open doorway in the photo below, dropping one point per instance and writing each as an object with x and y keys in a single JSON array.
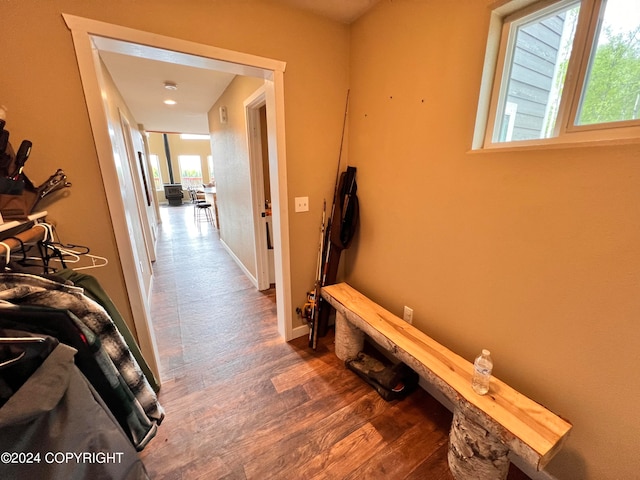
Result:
[
  {"x": 258, "y": 144},
  {"x": 125, "y": 217}
]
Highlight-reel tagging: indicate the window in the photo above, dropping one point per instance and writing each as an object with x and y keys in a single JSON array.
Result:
[
  {"x": 611, "y": 91},
  {"x": 155, "y": 170},
  {"x": 212, "y": 176},
  {"x": 193, "y": 136},
  {"x": 190, "y": 170},
  {"x": 567, "y": 70}
]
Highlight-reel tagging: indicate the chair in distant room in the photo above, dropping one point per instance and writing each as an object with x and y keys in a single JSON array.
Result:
[{"x": 201, "y": 209}]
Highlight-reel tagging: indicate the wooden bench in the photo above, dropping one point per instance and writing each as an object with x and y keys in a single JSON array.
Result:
[{"x": 485, "y": 428}]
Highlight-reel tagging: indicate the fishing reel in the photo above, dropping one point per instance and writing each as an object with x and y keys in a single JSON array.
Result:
[{"x": 308, "y": 308}]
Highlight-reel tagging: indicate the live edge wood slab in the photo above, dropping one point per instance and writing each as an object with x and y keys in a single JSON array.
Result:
[{"x": 485, "y": 428}]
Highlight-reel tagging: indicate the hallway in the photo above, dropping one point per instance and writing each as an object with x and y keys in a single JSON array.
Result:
[
  {"x": 201, "y": 300},
  {"x": 241, "y": 403}
]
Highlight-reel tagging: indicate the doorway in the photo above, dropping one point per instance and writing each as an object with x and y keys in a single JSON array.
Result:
[
  {"x": 84, "y": 32},
  {"x": 260, "y": 170}
]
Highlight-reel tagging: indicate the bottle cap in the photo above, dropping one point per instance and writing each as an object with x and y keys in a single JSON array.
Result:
[{"x": 486, "y": 352}]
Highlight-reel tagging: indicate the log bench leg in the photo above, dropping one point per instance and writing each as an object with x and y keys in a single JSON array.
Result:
[
  {"x": 349, "y": 339},
  {"x": 474, "y": 453}
]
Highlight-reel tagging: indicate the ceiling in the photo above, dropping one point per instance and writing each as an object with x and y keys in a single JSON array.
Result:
[
  {"x": 140, "y": 73},
  {"x": 343, "y": 11}
]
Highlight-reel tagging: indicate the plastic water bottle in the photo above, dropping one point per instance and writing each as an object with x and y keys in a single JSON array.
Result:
[{"x": 482, "y": 368}]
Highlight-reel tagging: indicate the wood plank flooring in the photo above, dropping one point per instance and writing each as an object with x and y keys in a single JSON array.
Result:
[{"x": 241, "y": 403}]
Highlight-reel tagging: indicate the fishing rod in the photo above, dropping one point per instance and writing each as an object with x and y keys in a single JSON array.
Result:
[
  {"x": 335, "y": 193},
  {"x": 325, "y": 244}
]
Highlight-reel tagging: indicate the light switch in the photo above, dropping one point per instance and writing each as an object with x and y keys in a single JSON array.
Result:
[{"x": 302, "y": 204}]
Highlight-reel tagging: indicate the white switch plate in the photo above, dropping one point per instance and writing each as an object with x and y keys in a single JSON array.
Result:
[
  {"x": 408, "y": 314},
  {"x": 302, "y": 204}
]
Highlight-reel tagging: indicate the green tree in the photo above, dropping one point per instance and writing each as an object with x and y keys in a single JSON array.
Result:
[{"x": 613, "y": 86}]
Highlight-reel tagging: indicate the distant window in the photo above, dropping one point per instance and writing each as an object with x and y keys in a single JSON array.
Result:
[
  {"x": 564, "y": 68},
  {"x": 210, "y": 164},
  {"x": 193, "y": 136},
  {"x": 155, "y": 168},
  {"x": 190, "y": 170}
]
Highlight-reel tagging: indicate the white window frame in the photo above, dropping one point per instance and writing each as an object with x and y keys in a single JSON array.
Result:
[
  {"x": 510, "y": 111},
  {"x": 565, "y": 130}
]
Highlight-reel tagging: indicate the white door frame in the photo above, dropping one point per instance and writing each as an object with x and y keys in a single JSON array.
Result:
[
  {"x": 83, "y": 30},
  {"x": 252, "y": 115}
]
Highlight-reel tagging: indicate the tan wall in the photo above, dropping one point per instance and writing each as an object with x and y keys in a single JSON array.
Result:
[
  {"x": 41, "y": 87},
  {"x": 46, "y": 105},
  {"x": 533, "y": 254},
  {"x": 231, "y": 163}
]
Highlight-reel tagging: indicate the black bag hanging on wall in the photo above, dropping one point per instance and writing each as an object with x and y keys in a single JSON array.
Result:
[{"x": 342, "y": 227}]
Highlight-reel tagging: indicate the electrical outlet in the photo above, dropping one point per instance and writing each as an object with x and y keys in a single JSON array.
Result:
[
  {"x": 408, "y": 315},
  {"x": 302, "y": 204}
]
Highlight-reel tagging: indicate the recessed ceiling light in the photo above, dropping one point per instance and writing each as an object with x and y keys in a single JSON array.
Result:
[
  {"x": 169, "y": 102},
  {"x": 171, "y": 85}
]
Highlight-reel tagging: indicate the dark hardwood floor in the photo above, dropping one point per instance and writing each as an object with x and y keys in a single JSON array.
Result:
[{"x": 241, "y": 403}]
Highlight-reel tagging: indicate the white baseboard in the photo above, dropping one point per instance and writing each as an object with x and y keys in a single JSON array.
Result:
[
  {"x": 249, "y": 275},
  {"x": 300, "y": 331}
]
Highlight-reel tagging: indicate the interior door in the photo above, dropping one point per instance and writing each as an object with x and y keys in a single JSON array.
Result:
[{"x": 255, "y": 110}]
